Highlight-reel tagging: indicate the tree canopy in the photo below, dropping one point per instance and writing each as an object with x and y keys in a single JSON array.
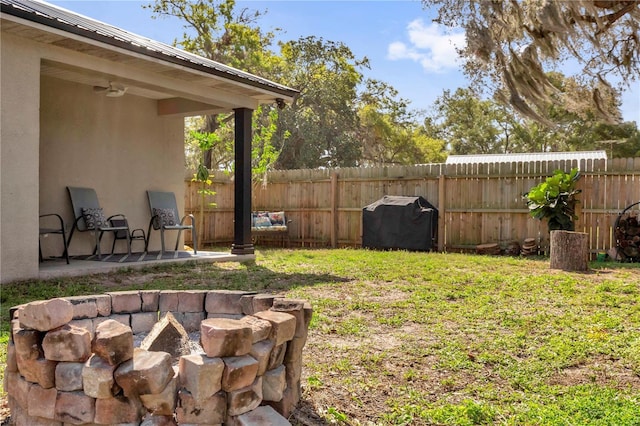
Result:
[{"x": 512, "y": 45}]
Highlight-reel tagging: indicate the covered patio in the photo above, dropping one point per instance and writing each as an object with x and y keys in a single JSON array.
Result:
[{"x": 87, "y": 104}]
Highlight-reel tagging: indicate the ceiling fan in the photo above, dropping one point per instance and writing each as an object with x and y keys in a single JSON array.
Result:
[{"x": 112, "y": 90}]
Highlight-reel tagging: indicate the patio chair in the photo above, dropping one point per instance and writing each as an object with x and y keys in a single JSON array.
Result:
[
  {"x": 53, "y": 226},
  {"x": 164, "y": 217},
  {"x": 89, "y": 216}
]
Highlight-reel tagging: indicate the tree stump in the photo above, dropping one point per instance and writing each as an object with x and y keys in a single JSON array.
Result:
[{"x": 569, "y": 250}]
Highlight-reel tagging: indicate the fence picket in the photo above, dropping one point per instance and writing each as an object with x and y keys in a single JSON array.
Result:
[{"x": 480, "y": 203}]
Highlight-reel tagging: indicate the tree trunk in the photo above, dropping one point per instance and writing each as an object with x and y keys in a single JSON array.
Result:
[{"x": 569, "y": 251}]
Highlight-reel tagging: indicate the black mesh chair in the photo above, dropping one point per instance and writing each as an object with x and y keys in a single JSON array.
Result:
[
  {"x": 89, "y": 217},
  {"x": 165, "y": 217}
]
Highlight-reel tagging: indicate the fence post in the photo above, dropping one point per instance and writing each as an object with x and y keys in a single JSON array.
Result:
[
  {"x": 441, "y": 210},
  {"x": 334, "y": 209}
]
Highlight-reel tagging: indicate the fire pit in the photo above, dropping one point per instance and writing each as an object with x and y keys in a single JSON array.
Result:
[{"x": 74, "y": 361}]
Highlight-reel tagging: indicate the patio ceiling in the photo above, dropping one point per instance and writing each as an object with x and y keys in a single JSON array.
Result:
[{"x": 181, "y": 82}]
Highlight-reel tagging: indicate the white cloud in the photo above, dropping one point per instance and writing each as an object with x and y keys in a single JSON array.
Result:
[{"x": 430, "y": 46}]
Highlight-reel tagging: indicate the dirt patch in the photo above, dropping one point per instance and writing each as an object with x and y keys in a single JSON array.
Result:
[{"x": 601, "y": 372}]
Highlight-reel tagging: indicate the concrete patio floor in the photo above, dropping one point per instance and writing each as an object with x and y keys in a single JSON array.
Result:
[{"x": 56, "y": 268}]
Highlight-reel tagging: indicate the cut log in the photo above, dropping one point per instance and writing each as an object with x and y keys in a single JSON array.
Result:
[{"x": 569, "y": 251}]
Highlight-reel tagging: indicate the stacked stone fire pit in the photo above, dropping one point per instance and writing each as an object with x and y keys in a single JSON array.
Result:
[{"x": 74, "y": 361}]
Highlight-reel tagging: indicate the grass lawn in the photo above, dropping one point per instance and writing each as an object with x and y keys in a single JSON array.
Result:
[{"x": 426, "y": 338}]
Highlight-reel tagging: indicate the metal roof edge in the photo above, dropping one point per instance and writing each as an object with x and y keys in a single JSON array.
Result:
[{"x": 220, "y": 70}]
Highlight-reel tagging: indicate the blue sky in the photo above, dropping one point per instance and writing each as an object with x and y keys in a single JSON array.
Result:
[{"x": 404, "y": 47}]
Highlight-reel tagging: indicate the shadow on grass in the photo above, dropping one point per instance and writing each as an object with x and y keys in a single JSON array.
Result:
[{"x": 231, "y": 276}]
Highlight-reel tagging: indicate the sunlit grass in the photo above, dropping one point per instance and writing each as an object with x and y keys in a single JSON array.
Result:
[{"x": 404, "y": 338}]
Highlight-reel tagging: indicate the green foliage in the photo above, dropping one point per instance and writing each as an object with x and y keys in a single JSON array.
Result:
[
  {"x": 322, "y": 119},
  {"x": 555, "y": 200},
  {"x": 388, "y": 131},
  {"x": 264, "y": 154}
]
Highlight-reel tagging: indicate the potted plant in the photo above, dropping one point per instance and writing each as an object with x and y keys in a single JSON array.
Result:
[{"x": 555, "y": 200}]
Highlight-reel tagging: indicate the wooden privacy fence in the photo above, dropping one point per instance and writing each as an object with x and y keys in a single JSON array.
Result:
[{"x": 477, "y": 203}]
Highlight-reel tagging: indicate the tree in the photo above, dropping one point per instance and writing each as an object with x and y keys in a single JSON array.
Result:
[
  {"x": 388, "y": 130},
  {"x": 322, "y": 119},
  {"x": 509, "y": 44},
  {"x": 471, "y": 125},
  {"x": 215, "y": 30}
]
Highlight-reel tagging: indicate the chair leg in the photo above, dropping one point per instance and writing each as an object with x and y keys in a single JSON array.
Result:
[
  {"x": 66, "y": 248},
  {"x": 162, "y": 241},
  {"x": 97, "y": 249},
  {"x": 129, "y": 242},
  {"x": 194, "y": 237}
]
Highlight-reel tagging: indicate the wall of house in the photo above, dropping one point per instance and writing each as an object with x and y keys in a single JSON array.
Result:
[
  {"x": 55, "y": 133},
  {"x": 118, "y": 146},
  {"x": 19, "y": 152}
]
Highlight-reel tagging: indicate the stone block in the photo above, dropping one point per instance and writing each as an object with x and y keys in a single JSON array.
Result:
[
  {"x": 150, "y": 300},
  {"x": 125, "y": 302},
  {"x": 168, "y": 301},
  {"x": 143, "y": 322},
  {"x": 263, "y": 302},
  {"x": 167, "y": 335},
  {"x": 42, "y": 402},
  {"x": 244, "y": 400},
  {"x": 191, "y": 321},
  {"x": 41, "y": 371},
  {"x": 261, "y": 329},
  {"x": 211, "y": 411},
  {"x": 201, "y": 375},
  {"x": 287, "y": 404},
  {"x": 239, "y": 372},
  {"x": 246, "y": 303},
  {"x": 294, "y": 349},
  {"x": 277, "y": 356},
  {"x": 146, "y": 373},
  {"x": 118, "y": 410},
  {"x": 261, "y": 352},
  {"x": 283, "y": 325},
  {"x": 45, "y": 315},
  {"x": 226, "y": 316},
  {"x": 294, "y": 373},
  {"x": 27, "y": 420},
  {"x": 225, "y": 337},
  {"x": 97, "y": 378},
  {"x": 69, "y": 376},
  {"x": 103, "y": 304},
  {"x": 16, "y": 386},
  {"x": 124, "y": 319},
  {"x": 86, "y": 323},
  {"x": 261, "y": 416},
  {"x": 74, "y": 408},
  {"x": 67, "y": 343},
  {"x": 83, "y": 307},
  {"x": 163, "y": 403},
  {"x": 27, "y": 342},
  {"x": 155, "y": 420},
  {"x": 191, "y": 300},
  {"x": 274, "y": 383},
  {"x": 113, "y": 342},
  {"x": 11, "y": 362},
  {"x": 224, "y": 301},
  {"x": 293, "y": 307}
]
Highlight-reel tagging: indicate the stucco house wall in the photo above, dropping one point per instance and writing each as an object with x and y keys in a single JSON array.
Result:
[
  {"x": 120, "y": 147},
  {"x": 19, "y": 158}
]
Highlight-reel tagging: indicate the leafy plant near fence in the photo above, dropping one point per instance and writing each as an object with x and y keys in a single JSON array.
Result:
[{"x": 555, "y": 200}]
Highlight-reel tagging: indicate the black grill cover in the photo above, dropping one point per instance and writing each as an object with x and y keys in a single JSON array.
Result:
[{"x": 397, "y": 222}]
